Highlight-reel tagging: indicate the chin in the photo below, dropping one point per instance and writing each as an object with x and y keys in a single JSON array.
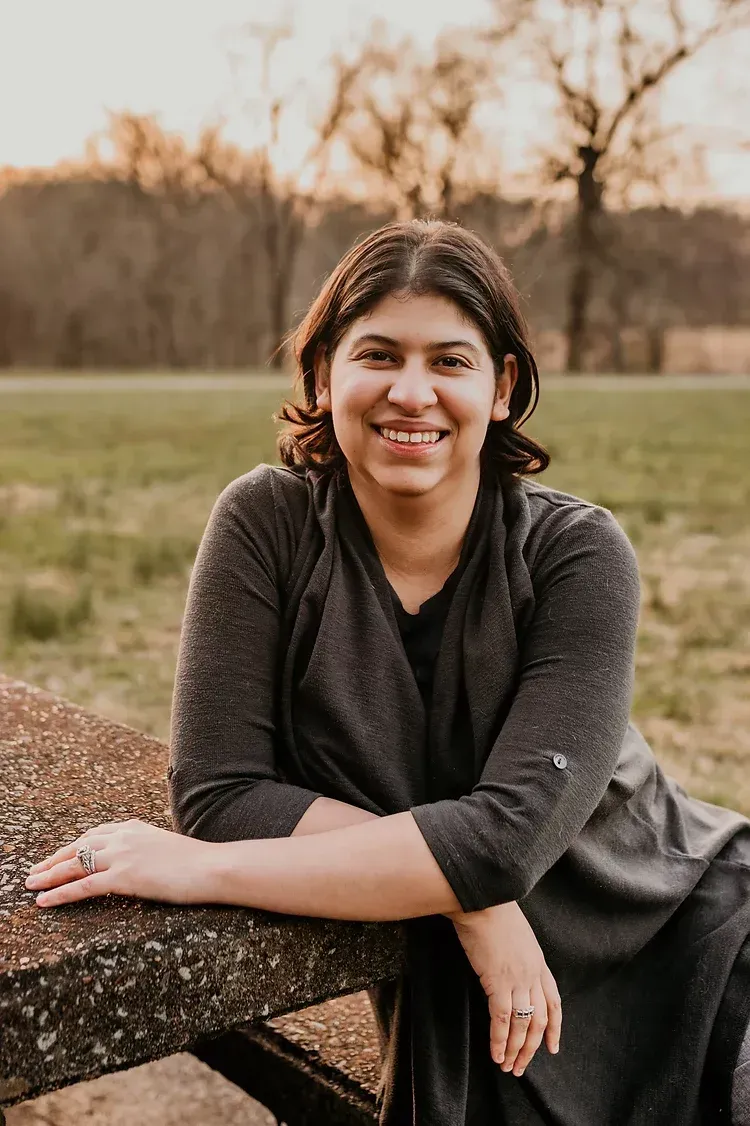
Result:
[{"x": 407, "y": 481}]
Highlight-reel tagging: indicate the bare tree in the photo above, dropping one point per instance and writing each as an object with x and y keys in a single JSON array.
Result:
[
  {"x": 80, "y": 270},
  {"x": 409, "y": 118},
  {"x": 607, "y": 59},
  {"x": 165, "y": 183},
  {"x": 283, "y": 203}
]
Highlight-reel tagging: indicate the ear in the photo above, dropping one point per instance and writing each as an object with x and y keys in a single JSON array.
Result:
[
  {"x": 504, "y": 388},
  {"x": 322, "y": 379}
]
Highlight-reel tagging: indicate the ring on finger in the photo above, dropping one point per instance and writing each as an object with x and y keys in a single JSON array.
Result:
[
  {"x": 87, "y": 857},
  {"x": 525, "y": 1014}
]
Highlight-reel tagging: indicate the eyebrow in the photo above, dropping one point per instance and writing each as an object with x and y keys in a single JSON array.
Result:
[{"x": 433, "y": 346}]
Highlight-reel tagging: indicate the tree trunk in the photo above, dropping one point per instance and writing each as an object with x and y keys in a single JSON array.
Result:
[
  {"x": 283, "y": 240},
  {"x": 618, "y": 301},
  {"x": 616, "y": 349},
  {"x": 585, "y": 249},
  {"x": 277, "y": 316},
  {"x": 71, "y": 349},
  {"x": 655, "y": 345}
]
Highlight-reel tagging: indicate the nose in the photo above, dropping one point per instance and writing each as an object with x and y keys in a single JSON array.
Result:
[{"x": 412, "y": 388}]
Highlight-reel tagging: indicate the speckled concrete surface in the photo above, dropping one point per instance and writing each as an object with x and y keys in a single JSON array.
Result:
[
  {"x": 109, "y": 983},
  {"x": 182, "y": 1091},
  {"x": 341, "y": 1033}
]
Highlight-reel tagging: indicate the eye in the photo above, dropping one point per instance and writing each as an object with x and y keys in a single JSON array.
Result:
[
  {"x": 453, "y": 361},
  {"x": 377, "y": 355}
]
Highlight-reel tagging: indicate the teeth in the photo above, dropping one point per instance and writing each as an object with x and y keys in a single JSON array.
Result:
[{"x": 402, "y": 436}]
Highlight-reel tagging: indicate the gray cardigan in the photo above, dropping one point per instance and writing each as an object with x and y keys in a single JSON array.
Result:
[{"x": 527, "y": 781}]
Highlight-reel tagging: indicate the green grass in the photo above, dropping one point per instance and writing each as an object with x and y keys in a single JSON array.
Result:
[{"x": 104, "y": 495}]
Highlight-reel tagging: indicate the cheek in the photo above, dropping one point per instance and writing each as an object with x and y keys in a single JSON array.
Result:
[
  {"x": 355, "y": 399},
  {"x": 469, "y": 403}
]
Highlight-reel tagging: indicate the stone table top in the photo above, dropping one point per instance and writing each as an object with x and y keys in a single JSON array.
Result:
[{"x": 111, "y": 982}]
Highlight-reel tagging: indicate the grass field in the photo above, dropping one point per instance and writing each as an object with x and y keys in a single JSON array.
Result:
[{"x": 104, "y": 495}]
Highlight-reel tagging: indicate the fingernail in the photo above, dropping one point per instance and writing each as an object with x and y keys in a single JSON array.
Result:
[
  {"x": 32, "y": 881},
  {"x": 556, "y": 1049},
  {"x": 518, "y": 1074},
  {"x": 35, "y": 867}
]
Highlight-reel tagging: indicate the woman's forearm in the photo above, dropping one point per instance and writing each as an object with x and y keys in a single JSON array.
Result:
[
  {"x": 377, "y": 871},
  {"x": 328, "y": 813}
]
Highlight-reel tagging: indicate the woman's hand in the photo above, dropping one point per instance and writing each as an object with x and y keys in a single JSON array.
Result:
[
  {"x": 132, "y": 858},
  {"x": 505, "y": 954}
]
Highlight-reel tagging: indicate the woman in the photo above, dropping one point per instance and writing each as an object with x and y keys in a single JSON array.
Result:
[{"x": 406, "y": 651}]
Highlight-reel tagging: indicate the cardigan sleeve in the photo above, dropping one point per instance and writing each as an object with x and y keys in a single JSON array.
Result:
[
  {"x": 557, "y": 750},
  {"x": 223, "y": 780}
]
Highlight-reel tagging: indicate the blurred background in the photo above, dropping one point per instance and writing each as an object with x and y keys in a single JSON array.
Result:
[{"x": 176, "y": 181}]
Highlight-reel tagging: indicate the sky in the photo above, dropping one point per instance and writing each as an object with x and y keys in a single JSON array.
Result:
[{"x": 64, "y": 63}]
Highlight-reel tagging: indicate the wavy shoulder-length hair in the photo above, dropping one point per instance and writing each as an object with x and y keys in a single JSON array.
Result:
[{"x": 416, "y": 257}]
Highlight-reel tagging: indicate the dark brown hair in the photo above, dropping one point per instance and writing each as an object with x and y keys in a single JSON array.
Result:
[{"x": 418, "y": 257}]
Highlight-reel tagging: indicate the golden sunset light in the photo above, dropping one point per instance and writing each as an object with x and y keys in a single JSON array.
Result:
[
  {"x": 374, "y": 540},
  {"x": 64, "y": 65}
]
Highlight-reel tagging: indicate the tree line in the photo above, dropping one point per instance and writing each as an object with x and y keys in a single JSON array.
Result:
[{"x": 156, "y": 252}]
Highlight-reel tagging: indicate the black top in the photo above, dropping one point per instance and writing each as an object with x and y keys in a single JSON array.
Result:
[{"x": 422, "y": 633}]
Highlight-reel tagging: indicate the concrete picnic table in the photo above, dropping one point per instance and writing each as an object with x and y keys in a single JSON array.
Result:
[{"x": 109, "y": 983}]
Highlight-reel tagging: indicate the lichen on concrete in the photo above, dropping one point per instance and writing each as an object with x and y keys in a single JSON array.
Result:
[{"x": 112, "y": 982}]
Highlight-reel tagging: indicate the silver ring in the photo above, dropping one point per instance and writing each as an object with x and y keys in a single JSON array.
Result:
[
  {"x": 525, "y": 1014},
  {"x": 87, "y": 857}
]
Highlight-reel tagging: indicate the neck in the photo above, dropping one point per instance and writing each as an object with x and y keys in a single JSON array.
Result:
[{"x": 418, "y": 536}]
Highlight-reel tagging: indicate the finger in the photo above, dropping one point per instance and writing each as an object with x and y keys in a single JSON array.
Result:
[
  {"x": 87, "y": 888},
  {"x": 519, "y": 1028},
  {"x": 63, "y": 853},
  {"x": 66, "y": 856},
  {"x": 113, "y": 826},
  {"x": 63, "y": 873},
  {"x": 535, "y": 1032},
  {"x": 500, "y": 1003},
  {"x": 554, "y": 1011},
  {"x": 69, "y": 850}
]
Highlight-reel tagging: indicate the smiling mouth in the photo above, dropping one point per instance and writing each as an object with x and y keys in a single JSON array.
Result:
[{"x": 415, "y": 438}]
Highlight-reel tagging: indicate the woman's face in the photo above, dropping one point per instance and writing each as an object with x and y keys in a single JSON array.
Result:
[{"x": 413, "y": 369}]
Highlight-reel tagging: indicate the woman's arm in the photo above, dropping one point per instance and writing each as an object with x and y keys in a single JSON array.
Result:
[
  {"x": 314, "y": 877},
  {"x": 381, "y": 870},
  {"x": 558, "y": 748},
  {"x": 223, "y": 778},
  {"x": 329, "y": 813},
  {"x": 498, "y": 941},
  {"x": 224, "y": 786},
  {"x": 545, "y": 775}
]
